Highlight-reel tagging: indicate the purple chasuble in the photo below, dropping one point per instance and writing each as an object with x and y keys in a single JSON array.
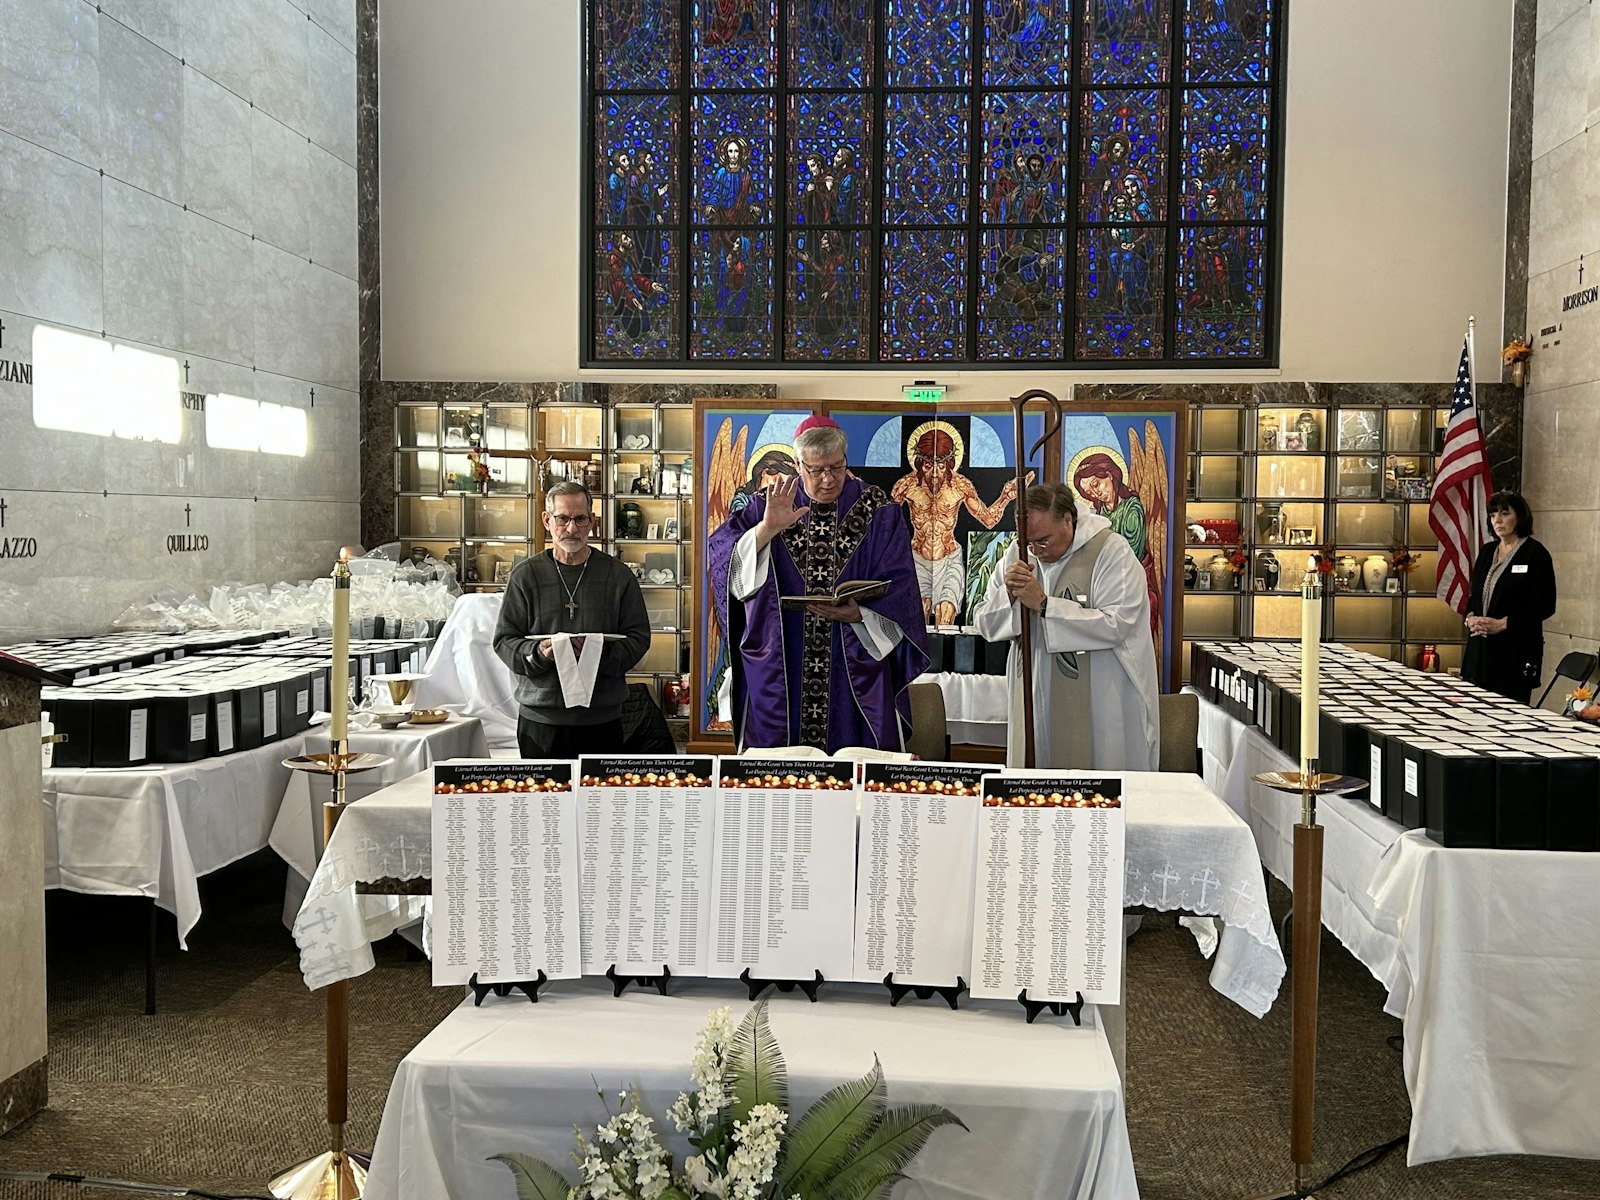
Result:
[{"x": 800, "y": 679}]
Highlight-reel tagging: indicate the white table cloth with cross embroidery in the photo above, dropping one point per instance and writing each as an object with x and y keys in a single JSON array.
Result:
[{"x": 1186, "y": 852}]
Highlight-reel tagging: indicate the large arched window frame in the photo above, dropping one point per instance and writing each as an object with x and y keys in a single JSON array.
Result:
[{"x": 996, "y": 183}]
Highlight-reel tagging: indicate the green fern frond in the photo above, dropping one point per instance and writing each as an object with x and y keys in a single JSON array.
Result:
[
  {"x": 875, "y": 1164},
  {"x": 536, "y": 1180},
  {"x": 755, "y": 1072},
  {"x": 832, "y": 1127}
]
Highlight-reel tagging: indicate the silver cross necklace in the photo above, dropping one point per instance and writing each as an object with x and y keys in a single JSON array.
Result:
[{"x": 572, "y": 592}]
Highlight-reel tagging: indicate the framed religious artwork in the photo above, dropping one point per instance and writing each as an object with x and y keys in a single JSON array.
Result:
[
  {"x": 669, "y": 528},
  {"x": 953, "y": 470}
]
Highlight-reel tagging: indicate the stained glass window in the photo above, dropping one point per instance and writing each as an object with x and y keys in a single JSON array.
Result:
[{"x": 824, "y": 182}]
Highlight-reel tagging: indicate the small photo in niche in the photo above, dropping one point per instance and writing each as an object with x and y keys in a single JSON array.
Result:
[
  {"x": 1292, "y": 439},
  {"x": 653, "y": 530},
  {"x": 670, "y": 528},
  {"x": 1301, "y": 535},
  {"x": 502, "y": 572},
  {"x": 1391, "y": 584}
]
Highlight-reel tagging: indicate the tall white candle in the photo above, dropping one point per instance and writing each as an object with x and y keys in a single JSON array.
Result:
[
  {"x": 1310, "y": 661},
  {"x": 339, "y": 692}
]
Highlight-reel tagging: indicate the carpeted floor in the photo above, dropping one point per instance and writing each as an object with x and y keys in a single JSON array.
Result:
[{"x": 223, "y": 1087}]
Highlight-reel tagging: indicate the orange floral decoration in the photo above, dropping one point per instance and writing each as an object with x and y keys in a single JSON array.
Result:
[{"x": 1518, "y": 349}]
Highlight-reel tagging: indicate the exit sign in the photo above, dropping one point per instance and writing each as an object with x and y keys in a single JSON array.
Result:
[{"x": 924, "y": 394}]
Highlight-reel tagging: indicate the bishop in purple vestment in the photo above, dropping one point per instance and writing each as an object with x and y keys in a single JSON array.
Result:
[{"x": 826, "y": 675}]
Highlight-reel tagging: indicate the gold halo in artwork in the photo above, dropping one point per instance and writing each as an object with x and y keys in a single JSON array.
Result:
[
  {"x": 1109, "y": 451},
  {"x": 761, "y": 452},
  {"x": 943, "y": 426}
]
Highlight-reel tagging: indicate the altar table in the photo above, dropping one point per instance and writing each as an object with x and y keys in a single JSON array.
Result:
[
  {"x": 1490, "y": 957},
  {"x": 1185, "y": 852},
  {"x": 1042, "y": 1103}
]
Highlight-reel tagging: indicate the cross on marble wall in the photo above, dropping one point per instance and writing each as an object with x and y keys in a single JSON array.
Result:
[
  {"x": 3, "y": 328},
  {"x": 2, "y": 512},
  {"x": 186, "y": 511},
  {"x": 186, "y": 370},
  {"x": 313, "y": 397}
]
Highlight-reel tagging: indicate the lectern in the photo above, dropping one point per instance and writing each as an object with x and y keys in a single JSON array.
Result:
[{"x": 24, "y": 1074}]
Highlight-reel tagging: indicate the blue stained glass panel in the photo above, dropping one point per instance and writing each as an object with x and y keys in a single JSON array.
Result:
[
  {"x": 1021, "y": 294},
  {"x": 1220, "y": 292},
  {"x": 1227, "y": 41},
  {"x": 1123, "y": 169},
  {"x": 927, "y": 43},
  {"x": 1225, "y": 154},
  {"x": 733, "y": 159},
  {"x": 1121, "y": 292},
  {"x": 636, "y": 176},
  {"x": 635, "y": 44},
  {"x": 924, "y": 302},
  {"x": 830, "y": 43},
  {"x": 925, "y": 158},
  {"x": 826, "y": 311},
  {"x": 734, "y": 42},
  {"x": 1126, "y": 41},
  {"x": 731, "y": 301},
  {"x": 1026, "y": 43},
  {"x": 1024, "y": 165},
  {"x": 830, "y": 158},
  {"x": 636, "y": 301}
]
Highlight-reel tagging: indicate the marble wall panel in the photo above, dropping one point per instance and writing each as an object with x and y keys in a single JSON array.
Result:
[
  {"x": 279, "y": 68},
  {"x": 66, "y": 587},
  {"x": 331, "y": 116},
  {"x": 330, "y": 327},
  {"x": 50, "y": 266},
  {"x": 1562, "y": 66},
  {"x": 1564, "y": 199},
  {"x": 54, "y": 459},
  {"x": 1519, "y": 163},
  {"x": 157, "y": 20},
  {"x": 367, "y": 188},
  {"x": 1500, "y": 411},
  {"x": 143, "y": 266},
  {"x": 1561, "y": 429},
  {"x": 219, "y": 41},
  {"x": 24, "y": 1021},
  {"x": 282, "y": 300},
  {"x": 337, "y": 18},
  {"x": 1573, "y": 538},
  {"x": 1555, "y": 12},
  {"x": 1571, "y": 354},
  {"x": 332, "y": 213},
  {"x": 218, "y": 296},
  {"x": 217, "y": 150},
  {"x": 279, "y": 163},
  {"x": 50, "y": 75},
  {"x": 141, "y": 112}
]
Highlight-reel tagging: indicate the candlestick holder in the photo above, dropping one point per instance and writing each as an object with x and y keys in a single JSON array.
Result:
[{"x": 337, "y": 1173}]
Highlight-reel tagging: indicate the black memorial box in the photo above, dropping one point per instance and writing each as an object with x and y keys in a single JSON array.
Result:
[
  {"x": 223, "y": 734},
  {"x": 180, "y": 724},
  {"x": 121, "y": 729},
  {"x": 941, "y": 652},
  {"x": 993, "y": 656},
  {"x": 1521, "y": 800},
  {"x": 294, "y": 706},
  {"x": 1343, "y": 743},
  {"x": 1403, "y": 778},
  {"x": 1458, "y": 797},
  {"x": 966, "y": 655},
  {"x": 1269, "y": 707},
  {"x": 1200, "y": 660},
  {"x": 1288, "y": 739},
  {"x": 73, "y": 717},
  {"x": 1573, "y": 817}
]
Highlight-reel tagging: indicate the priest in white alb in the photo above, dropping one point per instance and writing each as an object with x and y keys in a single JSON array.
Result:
[{"x": 1094, "y": 663}]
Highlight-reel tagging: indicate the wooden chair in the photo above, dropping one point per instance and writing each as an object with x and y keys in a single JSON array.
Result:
[{"x": 1180, "y": 732}]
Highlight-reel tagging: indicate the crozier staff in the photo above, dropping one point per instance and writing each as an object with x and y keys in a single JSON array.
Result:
[
  {"x": 572, "y": 588},
  {"x": 826, "y": 675},
  {"x": 1513, "y": 595},
  {"x": 1094, "y": 664}
]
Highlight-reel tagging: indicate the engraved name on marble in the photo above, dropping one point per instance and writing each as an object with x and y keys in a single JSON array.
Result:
[{"x": 12, "y": 371}]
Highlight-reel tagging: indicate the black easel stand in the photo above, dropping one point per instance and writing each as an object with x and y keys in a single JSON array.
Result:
[
  {"x": 950, "y": 993},
  {"x": 757, "y": 986},
  {"x": 620, "y": 982},
  {"x": 1055, "y": 1007},
  {"x": 529, "y": 988}
]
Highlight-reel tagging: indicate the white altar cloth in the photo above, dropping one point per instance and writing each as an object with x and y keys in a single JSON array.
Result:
[
  {"x": 297, "y": 831},
  {"x": 464, "y": 674},
  {"x": 1042, "y": 1103},
  {"x": 1490, "y": 957},
  {"x": 1186, "y": 852}
]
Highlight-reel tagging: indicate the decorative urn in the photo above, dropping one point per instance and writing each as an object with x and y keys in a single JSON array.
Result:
[{"x": 1375, "y": 572}]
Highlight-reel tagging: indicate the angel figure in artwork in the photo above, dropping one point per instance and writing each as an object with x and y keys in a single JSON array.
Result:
[
  {"x": 730, "y": 486},
  {"x": 1136, "y": 505}
]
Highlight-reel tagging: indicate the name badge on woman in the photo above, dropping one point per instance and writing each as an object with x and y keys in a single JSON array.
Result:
[{"x": 1520, "y": 569}]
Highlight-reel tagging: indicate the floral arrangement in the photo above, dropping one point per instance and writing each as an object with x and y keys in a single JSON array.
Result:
[
  {"x": 1324, "y": 559},
  {"x": 1578, "y": 699},
  {"x": 1518, "y": 350},
  {"x": 1238, "y": 560},
  {"x": 479, "y": 457},
  {"x": 1402, "y": 560},
  {"x": 849, "y": 1145}
]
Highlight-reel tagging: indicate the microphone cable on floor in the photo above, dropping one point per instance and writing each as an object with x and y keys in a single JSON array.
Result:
[{"x": 124, "y": 1185}]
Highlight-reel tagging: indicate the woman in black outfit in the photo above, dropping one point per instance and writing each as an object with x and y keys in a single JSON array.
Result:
[{"x": 1513, "y": 594}]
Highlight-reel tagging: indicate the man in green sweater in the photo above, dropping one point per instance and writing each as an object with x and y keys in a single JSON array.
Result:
[{"x": 572, "y": 589}]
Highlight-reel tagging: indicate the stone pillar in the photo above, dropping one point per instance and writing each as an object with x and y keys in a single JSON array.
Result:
[{"x": 24, "y": 1073}]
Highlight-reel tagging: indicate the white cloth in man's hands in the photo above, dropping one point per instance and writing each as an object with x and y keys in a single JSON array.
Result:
[{"x": 577, "y": 670}]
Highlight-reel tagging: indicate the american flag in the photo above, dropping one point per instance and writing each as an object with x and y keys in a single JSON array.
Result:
[{"x": 1461, "y": 486}]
